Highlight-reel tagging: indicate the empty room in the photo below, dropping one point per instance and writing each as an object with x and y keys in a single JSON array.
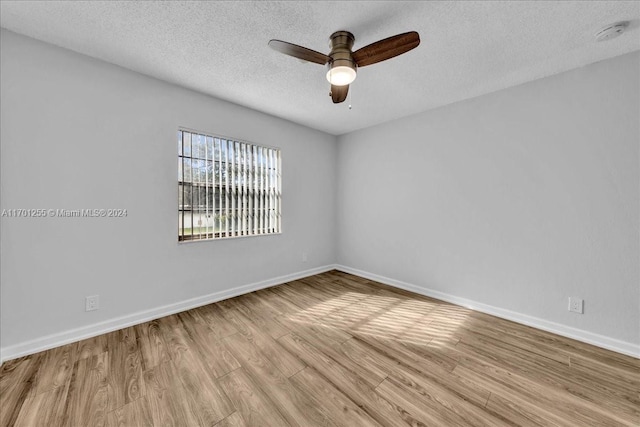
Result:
[{"x": 304, "y": 213}]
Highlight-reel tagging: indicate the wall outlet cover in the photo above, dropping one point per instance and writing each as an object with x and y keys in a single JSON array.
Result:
[
  {"x": 92, "y": 303},
  {"x": 576, "y": 305}
]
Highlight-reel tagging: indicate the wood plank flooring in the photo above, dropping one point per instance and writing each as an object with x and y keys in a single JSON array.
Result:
[{"x": 329, "y": 350}]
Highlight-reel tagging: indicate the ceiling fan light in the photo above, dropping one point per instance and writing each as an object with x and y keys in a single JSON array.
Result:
[{"x": 341, "y": 75}]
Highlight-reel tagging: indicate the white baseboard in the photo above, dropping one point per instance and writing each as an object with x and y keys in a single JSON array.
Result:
[
  {"x": 66, "y": 337},
  {"x": 618, "y": 346}
]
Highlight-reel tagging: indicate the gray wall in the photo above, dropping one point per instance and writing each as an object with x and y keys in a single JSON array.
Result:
[
  {"x": 81, "y": 133},
  {"x": 517, "y": 199}
]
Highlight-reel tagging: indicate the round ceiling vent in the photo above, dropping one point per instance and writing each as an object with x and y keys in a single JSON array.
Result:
[{"x": 611, "y": 31}]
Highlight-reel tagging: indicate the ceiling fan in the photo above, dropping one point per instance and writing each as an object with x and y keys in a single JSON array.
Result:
[{"x": 342, "y": 63}]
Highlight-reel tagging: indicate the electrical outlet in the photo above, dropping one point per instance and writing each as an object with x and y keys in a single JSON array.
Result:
[
  {"x": 576, "y": 305},
  {"x": 304, "y": 257},
  {"x": 92, "y": 303}
]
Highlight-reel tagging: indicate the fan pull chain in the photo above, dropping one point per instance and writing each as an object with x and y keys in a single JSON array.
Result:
[{"x": 350, "y": 92}]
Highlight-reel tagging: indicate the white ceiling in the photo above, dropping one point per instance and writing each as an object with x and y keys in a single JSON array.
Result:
[{"x": 220, "y": 48}]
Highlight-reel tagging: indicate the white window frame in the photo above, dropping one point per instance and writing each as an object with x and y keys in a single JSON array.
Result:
[{"x": 227, "y": 188}]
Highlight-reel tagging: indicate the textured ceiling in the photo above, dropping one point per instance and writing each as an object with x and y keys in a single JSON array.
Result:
[{"x": 220, "y": 48}]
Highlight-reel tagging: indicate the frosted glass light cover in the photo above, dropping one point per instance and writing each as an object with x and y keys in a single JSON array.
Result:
[{"x": 341, "y": 75}]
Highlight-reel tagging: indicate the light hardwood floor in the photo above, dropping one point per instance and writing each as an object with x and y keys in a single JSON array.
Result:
[{"x": 329, "y": 350}]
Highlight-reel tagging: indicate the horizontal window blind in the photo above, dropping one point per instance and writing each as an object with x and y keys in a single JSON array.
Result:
[{"x": 226, "y": 188}]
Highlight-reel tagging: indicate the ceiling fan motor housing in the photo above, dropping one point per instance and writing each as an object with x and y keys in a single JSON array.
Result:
[{"x": 341, "y": 43}]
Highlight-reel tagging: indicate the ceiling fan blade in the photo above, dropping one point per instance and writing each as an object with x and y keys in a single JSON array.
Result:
[
  {"x": 386, "y": 48},
  {"x": 299, "y": 52},
  {"x": 339, "y": 93}
]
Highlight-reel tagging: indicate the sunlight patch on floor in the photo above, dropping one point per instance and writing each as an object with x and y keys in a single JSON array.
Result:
[{"x": 387, "y": 317}]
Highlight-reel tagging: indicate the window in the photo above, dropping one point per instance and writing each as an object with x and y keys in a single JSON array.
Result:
[{"x": 226, "y": 188}]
